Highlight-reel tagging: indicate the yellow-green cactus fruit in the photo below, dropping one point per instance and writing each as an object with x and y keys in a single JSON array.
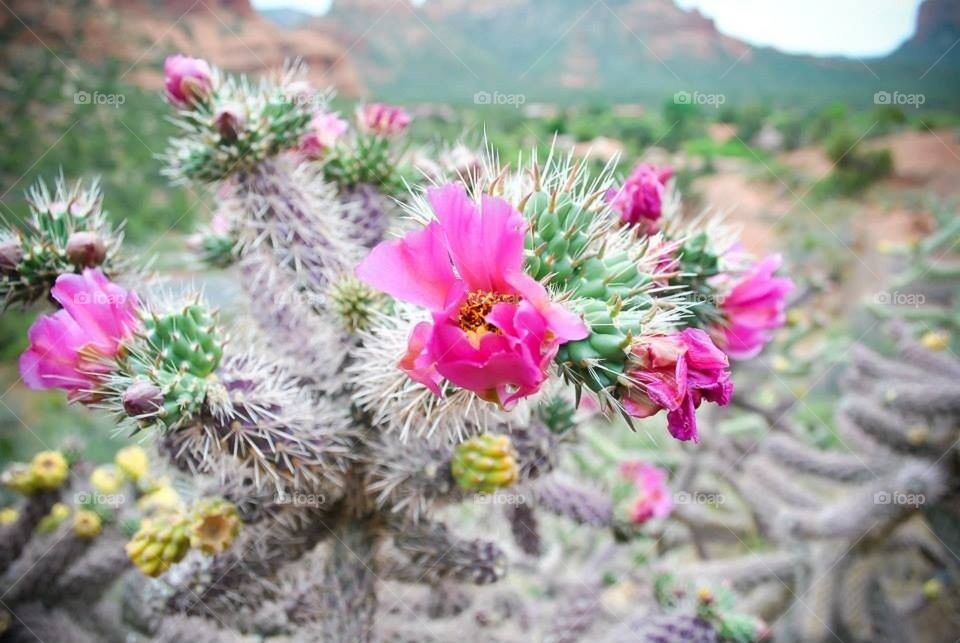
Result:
[
  {"x": 484, "y": 463},
  {"x": 159, "y": 544}
]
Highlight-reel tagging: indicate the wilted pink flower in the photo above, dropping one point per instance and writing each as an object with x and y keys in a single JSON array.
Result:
[
  {"x": 187, "y": 80},
  {"x": 640, "y": 199},
  {"x": 676, "y": 372},
  {"x": 494, "y": 329},
  {"x": 653, "y": 496},
  {"x": 383, "y": 120},
  {"x": 68, "y": 348},
  {"x": 753, "y": 307},
  {"x": 325, "y": 130}
]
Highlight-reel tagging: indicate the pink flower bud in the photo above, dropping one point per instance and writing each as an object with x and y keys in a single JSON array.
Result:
[
  {"x": 188, "y": 81},
  {"x": 86, "y": 249},
  {"x": 142, "y": 398},
  {"x": 230, "y": 119},
  {"x": 383, "y": 120},
  {"x": 325, "y": 130}
]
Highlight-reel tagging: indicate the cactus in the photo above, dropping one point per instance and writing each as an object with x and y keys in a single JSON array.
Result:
[
  {"x": 159, "y": 543},
  {"x": 484, "y": 463},
  {"x": 307, "y": 466}
]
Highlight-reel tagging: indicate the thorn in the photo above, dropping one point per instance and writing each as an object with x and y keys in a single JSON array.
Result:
[
  {"x": 592, "y": 198},
  {"x": 553, "y": 201},
  {"x": 523, "y": 202},
  {"x": 536, "y": 177},
  {"x": 572, "y": 177}
]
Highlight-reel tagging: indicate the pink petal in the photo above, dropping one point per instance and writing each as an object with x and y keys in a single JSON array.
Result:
[
  {"x": 566, "y": 325},
  {"x": 484, "y": 246},
  {"x": 415, "y": 268},
  {"x": 416, "y": 363}
]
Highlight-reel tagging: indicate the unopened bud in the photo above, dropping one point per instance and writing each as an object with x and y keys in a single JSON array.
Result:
[
  {"x": 229, "y": 120},
  {"x": 10, "y": 255},
  {"x": 86, "y": 249},
  {"x": 142, "y": 398}
]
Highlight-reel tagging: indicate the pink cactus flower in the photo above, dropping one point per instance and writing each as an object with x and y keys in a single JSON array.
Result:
[
  {"x": 640, "y": 199},
  {"x": 325, "y": 130},
  {"x": 494, "y": 329},
  {"x": 753, "y": 307},
  {"x": 653, "y": 495},
  {"x": 69, "y": 349},
  {"x": 676, "y": 372},
  {"x": 383, "y": 120},
  {"x": 188, "y": 81}
]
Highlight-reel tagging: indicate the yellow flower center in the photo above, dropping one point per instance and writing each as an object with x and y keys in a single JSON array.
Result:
[{"x": 472, "y": 316}]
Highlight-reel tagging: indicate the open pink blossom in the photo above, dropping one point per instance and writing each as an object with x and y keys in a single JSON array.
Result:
[
  {"x": 383, "y": 120},
  {"x": 324, "y": 131},
  {"x": 494, "y": 329},
  {"x": 753, "y": 307},
  {"x": 676, "y": 372},
  {"x": 69, "y": 349},
  {"x": 188, "y": 81},
  {"x": 653, "y": 495},
  {"x": 640, "y": 199}
]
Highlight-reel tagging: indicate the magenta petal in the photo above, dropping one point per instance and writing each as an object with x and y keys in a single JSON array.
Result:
[
  {"x": 486, "y": 245},
  {"x": 415, "y": 268},
  {"x": 416, "y": 363},
  {"x": 702, "y": 353},
  {"x": 566, "y": 325},
  {"x": 682, "y": 423}
]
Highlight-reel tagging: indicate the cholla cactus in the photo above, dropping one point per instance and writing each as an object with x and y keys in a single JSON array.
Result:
[
  {"x": 67, "y": 231},
  {"x": 376, "y": 388}
]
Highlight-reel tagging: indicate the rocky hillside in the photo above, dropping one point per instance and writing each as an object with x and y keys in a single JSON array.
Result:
[
  {"x": 138, "y": 34},
  {"x": 630, "y": 50}
]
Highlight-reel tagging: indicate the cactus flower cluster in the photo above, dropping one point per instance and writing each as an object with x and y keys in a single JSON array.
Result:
[{"x": 386, "y": 365}]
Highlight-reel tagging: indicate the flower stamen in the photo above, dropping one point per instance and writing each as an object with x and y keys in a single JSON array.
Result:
[{"x": 472, "y": 316}]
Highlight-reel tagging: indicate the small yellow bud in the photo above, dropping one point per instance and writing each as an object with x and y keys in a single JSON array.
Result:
[
  {"x": 58, "y": 513},
  {"x": 936, "y": 340},
  {"x": 163, "y": 499},
  {"x": 87, "y": 524},
  {"x": 8, "y": 516},
  {"x": 932, "y": 589},
  {"x": 705, "y": 595},
  {"x": 106, "y": 479},
  {"x": 133, "y": 462},
  {"x": 50, "y": 469},
  {"x": 19, "y": 478}
]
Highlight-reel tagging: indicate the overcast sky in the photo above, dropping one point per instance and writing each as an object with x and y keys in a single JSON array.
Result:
[{"x": 821, "y": 27}]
